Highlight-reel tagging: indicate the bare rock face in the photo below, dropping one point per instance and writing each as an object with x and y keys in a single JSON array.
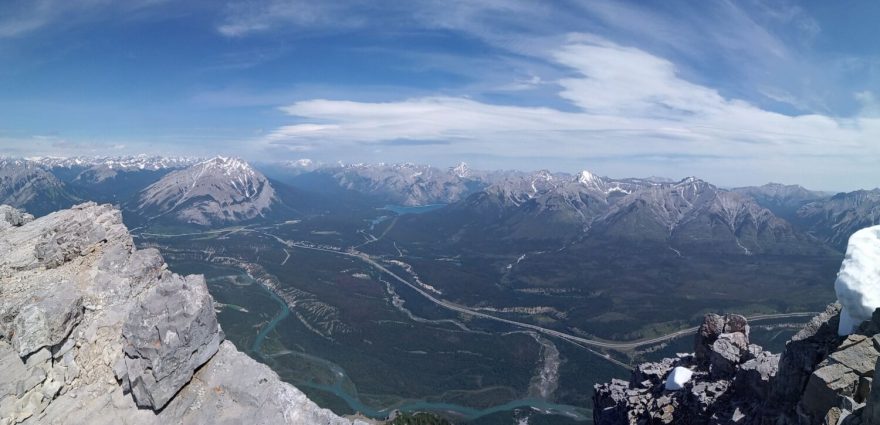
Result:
[
  {"x": 11, "y": 217},
  {"x": 820, "y": 379},
  {"x": 170, "y": 334},
  {"x": 729, "y": 377},
  {"x": 81, "y": 306},
  {"x": 802, "y": 354},
  {"x": 48, "y": 320},
  {"x": 64, "y": 240}
]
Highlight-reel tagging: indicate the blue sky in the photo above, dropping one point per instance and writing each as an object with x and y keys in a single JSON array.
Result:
[{"x": 735, "y": 92}]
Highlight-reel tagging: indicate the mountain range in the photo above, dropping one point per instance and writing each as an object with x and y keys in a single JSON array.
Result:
[{"x": 504, "y": 206}]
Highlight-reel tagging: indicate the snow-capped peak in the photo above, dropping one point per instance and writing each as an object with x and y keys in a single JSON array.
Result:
[
  {"x": 690, "y": 180},
  {"x": 543, "y": 175},
  {"x": 228, "y": 165},
  {"x": 589, "y": 179},
  {"x": 221, "y": 189},
  {"x": 461, "y": 170},
  {"x": 124, "y": 163}
]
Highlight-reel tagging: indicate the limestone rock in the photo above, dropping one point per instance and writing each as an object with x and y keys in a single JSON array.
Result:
[
  {"x": 652, "y": 373},
  {"x": 48, "y": 320},
  {"x": 728, "y": 350},
  {"x": 713, "y": 327},
  {"x": 802, "y": 354},
  {"x": 725, "y": 377},
  {"x": 11, "y": 217},
  {"x": 860, "y": 357},
  {"x": 826, "y": 388},
  {"x": 77, "y": 299},
  {"x": 170, "y": 334},
  {"x": 753, "y": 376},
  {"x": 77, "y": 235}
]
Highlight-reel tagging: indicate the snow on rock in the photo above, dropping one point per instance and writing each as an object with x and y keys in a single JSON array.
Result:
[
  {"x": 678, "y": 377},
  {"x": 858, "y": 282}
]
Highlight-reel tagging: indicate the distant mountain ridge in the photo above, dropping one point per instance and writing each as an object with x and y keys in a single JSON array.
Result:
[
  {"x": 834, "y": 219},
  {"x": 513, "y": 204},
  {"x": 689, "y": 214},
  {"x": 693, "y": 213},
  {"x": 407, "y": 184},
  {"x": 784, "y": 200},
  {"x": 31, "y": 186}
]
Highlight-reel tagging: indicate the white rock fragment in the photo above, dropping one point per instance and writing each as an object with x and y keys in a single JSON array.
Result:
[
  {"x": 858, "y": 282},
  {"x": 678, "y": 377}
]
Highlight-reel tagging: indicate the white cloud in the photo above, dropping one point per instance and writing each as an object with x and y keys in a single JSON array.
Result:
[
  {"x": 23, "y": 17},
  {"x": 247, "y": 17},
  {"x": 628, "y": 102}
]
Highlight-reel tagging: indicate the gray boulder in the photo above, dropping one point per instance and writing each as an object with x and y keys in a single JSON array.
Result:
[
  {"x": 170, "y": 334},
  {"x": 729, "y": 350},
  {"x": 48, "y": 320},
  {"x": 826, "y": 388},
  {"x": 712, "y": 328},
  {"x": 857, "y": 353},
  {"x": 11, "y": 217}
]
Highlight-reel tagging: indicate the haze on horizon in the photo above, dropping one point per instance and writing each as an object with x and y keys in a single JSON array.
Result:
[{"x": 737, "y": 93}]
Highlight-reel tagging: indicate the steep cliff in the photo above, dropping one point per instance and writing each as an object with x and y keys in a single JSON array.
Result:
[{"x": 95, "y": 331}]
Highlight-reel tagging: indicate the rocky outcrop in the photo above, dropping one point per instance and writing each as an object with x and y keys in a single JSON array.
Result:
[
  {"x": 820, "y": 378},
  {"x": 728, "y": 377},
  {"x": 94, "y": 331},
  {"x": 168, "y": 336},
  {"x": 11, "y": 217}
]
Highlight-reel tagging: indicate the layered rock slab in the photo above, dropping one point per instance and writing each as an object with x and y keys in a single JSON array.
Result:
[
  {"x": 169, "y": 335},
  {"x": 77, "y": 299}
]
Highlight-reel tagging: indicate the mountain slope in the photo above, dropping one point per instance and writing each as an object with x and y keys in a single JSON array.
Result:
[
  {"x": 406, "y": 184},
  {"x": 834, "y": 219},
  {"x": 539, "y": 207},
  {"x": 216, "y": 191},
  {"x": 28, "y": 185},
  {"x": 695, "y": 215},
  {"x": 556, "y": 209},
  {"x": 783, "y": 200}
]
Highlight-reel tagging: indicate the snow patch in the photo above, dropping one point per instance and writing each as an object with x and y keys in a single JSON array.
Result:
[
  {"x": 858, "y": 282},
  {"x": 678, "y": 377}
]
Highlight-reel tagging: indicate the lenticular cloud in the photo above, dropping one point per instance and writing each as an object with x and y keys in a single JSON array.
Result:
[{"x": 858, "y": 282}]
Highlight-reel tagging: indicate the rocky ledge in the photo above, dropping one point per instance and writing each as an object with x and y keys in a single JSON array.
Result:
[
  {"x": 820, "y": 378},
  {"x": 95, "y": 331}
]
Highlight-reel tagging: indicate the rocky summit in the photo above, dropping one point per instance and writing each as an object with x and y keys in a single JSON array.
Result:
[
  {"x": 821, "y": 378},
  {"x": 95, "y": 331}
]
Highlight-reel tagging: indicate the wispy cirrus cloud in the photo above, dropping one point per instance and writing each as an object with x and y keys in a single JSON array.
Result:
[
  {"x": 627, "y": 100},
  {"x": 19, "y": 18}
]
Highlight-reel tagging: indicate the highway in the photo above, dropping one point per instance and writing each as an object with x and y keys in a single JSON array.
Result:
[
  {"x": 614, "y": 345},
  {"x": 581, "y": 341}
]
